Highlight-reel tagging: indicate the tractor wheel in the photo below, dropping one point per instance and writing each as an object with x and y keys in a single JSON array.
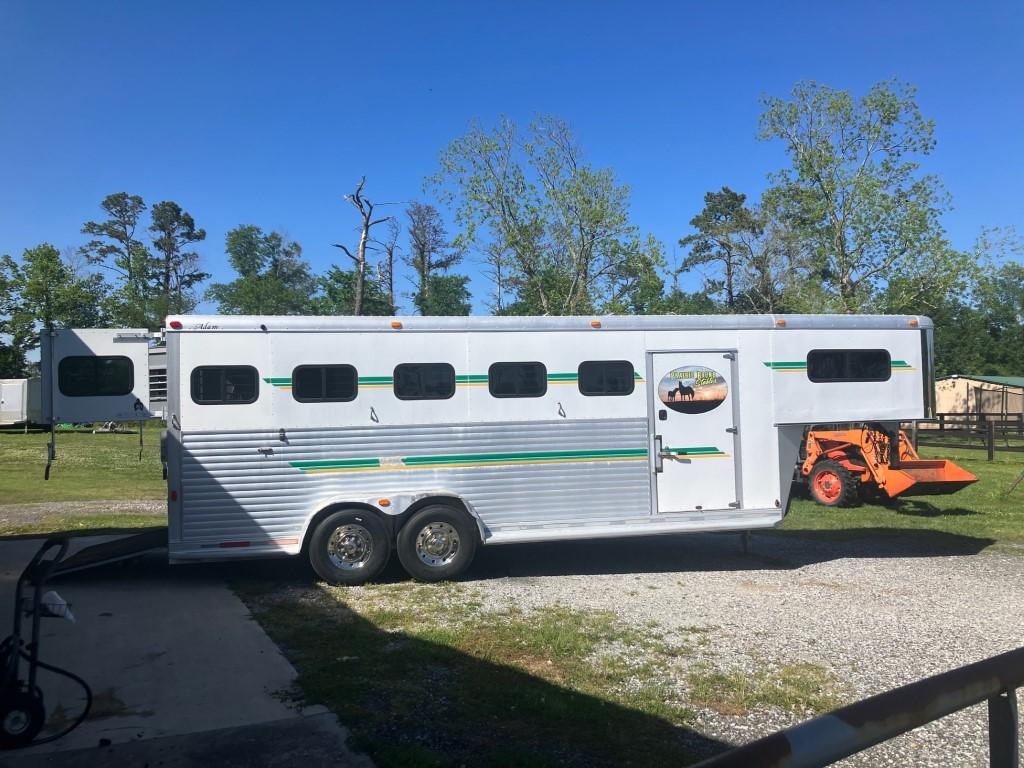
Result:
[{"x": 833, "y": 485}]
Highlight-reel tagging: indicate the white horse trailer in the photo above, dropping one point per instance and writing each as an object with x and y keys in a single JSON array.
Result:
[
  {"x": 20, "y": 402},
  {"x": 346, "y": 438}
]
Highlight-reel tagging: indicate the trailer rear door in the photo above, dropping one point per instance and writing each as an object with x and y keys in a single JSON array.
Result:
[
  {"x": 95, "y": 375},
  {"x": 693, "y": 401}
]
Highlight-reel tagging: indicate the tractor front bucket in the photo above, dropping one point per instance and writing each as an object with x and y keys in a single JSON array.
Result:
[{"x": 926, "y": 477}]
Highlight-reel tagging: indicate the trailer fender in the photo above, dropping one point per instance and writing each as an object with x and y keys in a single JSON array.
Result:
[{"x": 392, "y": 507}]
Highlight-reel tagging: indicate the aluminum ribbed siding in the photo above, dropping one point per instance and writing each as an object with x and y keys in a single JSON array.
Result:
[{"x": 232, "y": 491}]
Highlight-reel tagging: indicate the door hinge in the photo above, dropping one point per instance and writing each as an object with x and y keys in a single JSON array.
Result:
[
  {"x": 729, "y": 355},
  {"x": 734, "y": 504},
  {"x": 732, "y": 430}
]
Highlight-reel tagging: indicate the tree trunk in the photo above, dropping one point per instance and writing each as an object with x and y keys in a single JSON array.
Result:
[{"x": 361, "y": 267}]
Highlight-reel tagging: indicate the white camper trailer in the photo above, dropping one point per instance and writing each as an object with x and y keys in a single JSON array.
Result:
[
  {"x": 20, "y": 402},
  {"x": 346, "y": 438}
]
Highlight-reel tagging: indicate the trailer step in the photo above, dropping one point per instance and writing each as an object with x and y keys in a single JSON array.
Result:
[{"x": 121, "y": 548}]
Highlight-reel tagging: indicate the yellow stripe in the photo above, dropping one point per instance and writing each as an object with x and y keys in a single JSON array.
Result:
[{"x": 396, "y": 467}]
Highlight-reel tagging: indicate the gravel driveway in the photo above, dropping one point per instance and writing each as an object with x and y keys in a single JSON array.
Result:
[{"x": 876, "y": 613}]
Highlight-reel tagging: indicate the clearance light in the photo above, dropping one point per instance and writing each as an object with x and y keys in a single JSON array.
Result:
[
  {"x": 396, "y": 324},
  {"x": 914, "y": 322},
  {"x": 384, "y": 502},
  {"x": 595, "y": 323},
  {"x": 780, "y": 322},
  {"x": 175, "y": 324}
]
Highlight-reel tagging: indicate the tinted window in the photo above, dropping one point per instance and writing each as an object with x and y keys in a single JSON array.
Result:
[
  {"x": 324, "y": 383},
  {"x": 224, "y": 384},
  {"x": 517, "y": 379},
  {"x": 606, "y": 377},
  {"x": 89, "y": 376},
  {"x": 824, "y": 365},
  {"x": 424, "y": 381}
]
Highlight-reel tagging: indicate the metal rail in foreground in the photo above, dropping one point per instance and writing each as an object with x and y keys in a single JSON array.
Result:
[{"x": 854, "y": 728}]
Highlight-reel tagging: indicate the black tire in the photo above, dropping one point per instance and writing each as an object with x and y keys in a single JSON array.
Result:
[
  {"x": 21, "y": 718},
  {"x": 833, "y": 485},
  {"x": 438, "y": 542},
  {"x": 349, "y": 547}
]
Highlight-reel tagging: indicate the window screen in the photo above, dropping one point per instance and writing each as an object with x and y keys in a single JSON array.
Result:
[
  {"x": 324, "y": 383},
  {"x": 517, "y": 379},
  {"x": 89, "y": 376},
  {"x": 825, "y": 365},
  {"x": 606, "y": 377},
  {"x": 424, "y": 381},
  {"x": 224, "y": 384}
]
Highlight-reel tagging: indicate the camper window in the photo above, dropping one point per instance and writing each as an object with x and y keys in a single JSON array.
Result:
[
  {"x": 324, "y": 383},
  {"x": 224, "y": 385},
  {"x": 606, "y": 377},
  {"x": 835, "y": 365},
  {"x": 424, "y": 381},
  {"x": 517, "y": 379},
  {"x": 95, "y": 376}
]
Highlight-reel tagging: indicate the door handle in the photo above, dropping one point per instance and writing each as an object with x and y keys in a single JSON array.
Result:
[{"x": 659, "y": 454}]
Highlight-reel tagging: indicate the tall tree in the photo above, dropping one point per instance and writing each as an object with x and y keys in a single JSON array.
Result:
[
  {"x": 367, "y": 221},
  {"x": 386, "y": 267},
  {"x": 273, "y": 279},
  {"x": 444, "y": 295},
  {"x": 430, "y": 251},
  {"x": 42, "y": 292},
  {"x": 337, "y": 295},
  {"x": 855, "y": 194},
  {"x": 116, "y": 249},
  {"x": 176, "y": 268},
  {"x": 554, "y": 227}
]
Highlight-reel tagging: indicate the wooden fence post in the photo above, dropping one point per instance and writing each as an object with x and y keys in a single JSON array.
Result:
[
  {"x": 942, "y": 422},
  {"x": 990, "y": 439},
  {"x": 913, "y": 435}
]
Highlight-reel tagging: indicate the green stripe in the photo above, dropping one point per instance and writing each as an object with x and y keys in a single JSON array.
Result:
[
  {"x": 787, "y": 365},
  {"x": 704, "y": 450},
  {"x": 376, "y": 379},
  {"x": 471, "y": 378},
  {"x": 901, "y": 364},
  {"x": 337, "y": 464},
  {"x": 279, "y": 382},
  {"x": 491, "y": 458}
]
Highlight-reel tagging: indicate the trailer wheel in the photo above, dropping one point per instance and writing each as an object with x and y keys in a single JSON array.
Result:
[
  {"x": 349, "y": 547},
  {"x": 832, "y": 484},
  {"x": 437, "y": 543}
]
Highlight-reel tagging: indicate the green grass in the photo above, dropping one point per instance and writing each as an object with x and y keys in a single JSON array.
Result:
[
  {"x": 424, "y": 676},
  {"x": 88, "y": 466},
  {"x": 984, "y": 510},
  {"x": 83, "y": 525},
  {"x": 807, "y": 689}
]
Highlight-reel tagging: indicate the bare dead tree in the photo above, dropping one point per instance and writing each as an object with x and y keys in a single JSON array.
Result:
[
  {"x": 386, "y": 268},
  {"x": 365, "y": 208}
]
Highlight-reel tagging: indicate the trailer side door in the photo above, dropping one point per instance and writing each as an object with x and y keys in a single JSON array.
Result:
[{"x": 695, "y": 420}]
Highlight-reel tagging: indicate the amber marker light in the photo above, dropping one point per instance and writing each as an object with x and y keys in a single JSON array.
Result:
[
  {"x": 595, "y": 323},
  {"x": 396, "y": 325},
  {"x": 384, "y": 502},
  {"x": 914, "y": 322},
  {"x": 780, "y": 322}
]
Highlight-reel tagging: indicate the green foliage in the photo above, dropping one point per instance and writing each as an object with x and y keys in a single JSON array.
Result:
[
  {"x": 116, "y": 249},
  {"x": 337, "y": 295},
  {"x": 444, "y": 295},
  {"x": 867, "y": 219},
  {"x": 555, "y": 231},
  {"x": 43, "y": 292},
  {"x": 272, "y": 277},
  {"x": 13, "y": 364},
  {"x": 176, "y": 269}
]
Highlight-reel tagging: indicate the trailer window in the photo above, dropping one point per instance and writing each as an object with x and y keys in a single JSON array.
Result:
[
  {"x": 599, "y": 378},
  {"x": 224, "y": 385},
  {"x": 95, "y": 376},
  {"x": 834, "y": 365},
  {"x": 324, "y": 383},
  {"x": 517, "y": 379},
  {"x": 424, "y": 381}
]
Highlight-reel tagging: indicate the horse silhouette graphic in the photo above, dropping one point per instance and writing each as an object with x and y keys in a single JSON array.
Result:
[{"x": 681, "y": 392}]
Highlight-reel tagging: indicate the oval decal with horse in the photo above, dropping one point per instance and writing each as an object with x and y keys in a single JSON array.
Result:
[{"x": 693, "y": 389}]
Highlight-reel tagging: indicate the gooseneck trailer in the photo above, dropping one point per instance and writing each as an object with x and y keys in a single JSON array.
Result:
[{"x": 346, "y": 438}]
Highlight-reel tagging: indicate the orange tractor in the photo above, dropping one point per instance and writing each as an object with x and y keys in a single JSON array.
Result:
[{"x": 841, "y": 463}]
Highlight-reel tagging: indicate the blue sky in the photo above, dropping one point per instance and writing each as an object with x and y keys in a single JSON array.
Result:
[{"x": 267, "y": 113}]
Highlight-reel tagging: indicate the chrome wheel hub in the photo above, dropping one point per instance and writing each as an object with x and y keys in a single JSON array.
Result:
[
  {"x": 350, "y": 546},
  {"x": 16, "y": 722},
  {"x": 437, "y": 544}
]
